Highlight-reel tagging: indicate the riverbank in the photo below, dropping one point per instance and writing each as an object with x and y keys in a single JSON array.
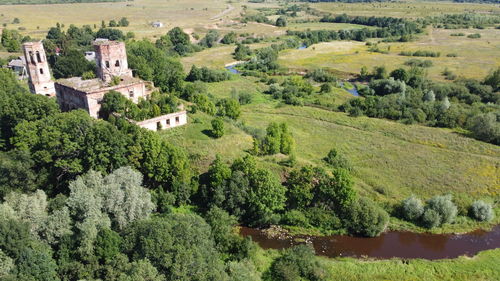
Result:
[{"x": 483, "y": 266}]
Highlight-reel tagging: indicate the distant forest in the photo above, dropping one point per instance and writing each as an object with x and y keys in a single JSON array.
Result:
[{"x": 30, "y": 2}]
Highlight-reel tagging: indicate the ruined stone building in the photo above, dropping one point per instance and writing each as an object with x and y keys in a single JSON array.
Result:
[
  {"x": 40, "y": 81},
  {"x": 113, "y": 75}
]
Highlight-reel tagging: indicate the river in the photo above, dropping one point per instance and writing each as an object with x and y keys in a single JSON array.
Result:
[{"x": 394, "y": 244}]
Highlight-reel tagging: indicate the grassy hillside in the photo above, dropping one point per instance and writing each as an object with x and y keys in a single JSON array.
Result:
[{"x": 392, "y": 160}]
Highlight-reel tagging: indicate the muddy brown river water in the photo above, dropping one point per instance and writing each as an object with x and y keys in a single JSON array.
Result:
[{"x": 393, "y": 244}]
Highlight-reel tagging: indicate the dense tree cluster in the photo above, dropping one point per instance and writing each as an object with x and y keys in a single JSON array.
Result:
[
  {"x": 11, "y": 40},
  {"x": 265, "y": 59},
  {"x": 152, "y": 64},
  {"x": 408, "y": 96},
  {"x": 252, "y": 194},
  {"x": 206, "y": 74},
  {"x": 278, "y": 139},
  {"x": 292, "y": 91},
  {"x": 466, "y": 20}
]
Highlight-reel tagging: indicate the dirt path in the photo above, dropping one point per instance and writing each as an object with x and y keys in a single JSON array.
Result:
[{"x": 221, "y": 14}]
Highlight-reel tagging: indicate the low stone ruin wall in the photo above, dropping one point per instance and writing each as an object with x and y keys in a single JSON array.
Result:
[{"x": 164, "y": 122}]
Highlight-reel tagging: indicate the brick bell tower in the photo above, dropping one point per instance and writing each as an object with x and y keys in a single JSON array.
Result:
[
  {"x": 40, "y": 81},
  {"x": 111, "y": 59}
]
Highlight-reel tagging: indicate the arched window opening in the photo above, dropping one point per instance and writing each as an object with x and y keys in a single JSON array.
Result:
[{"x": 38, "y": 57}]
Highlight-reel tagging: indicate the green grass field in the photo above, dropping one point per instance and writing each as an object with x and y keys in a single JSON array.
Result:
[
  {"x": 405, "y": 9},
  {"x": 475, "y": 57},
  {"x": 37, "y": 19},
  {"x": 392, "y": 160},
  {"x": 481, "y": 267}
]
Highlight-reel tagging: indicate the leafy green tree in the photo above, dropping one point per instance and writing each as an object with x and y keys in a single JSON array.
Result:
[
  {"x": 366, "y": 219},
  {"x": 281, "y": 22},
  {"x": 400, "y": 74},
  {"x": 36, "y": 264},
  {"x": 32, "y": 209},
  {"x": 14, "y": 236},
  {"x": 72, "y": 64},
  {"x": 266, "y": 196},
  {"x": 123, "y": 22},
  {"x": 229, "y": 38},
  {"x": 178, "y": 36},
  {"x": 493, "y": 79},
  {"x": 217, "y": 128},
  {"x": 229, "y": 107},
  {"x": 18, "y": 105},
  {"x": 150, "y": 63},
  {"x": 337, "y": 160},
  {"x": 110, "y": 33},
  {"x": 16, "y": 173},
  {"x": 77, "y": 143},
  {"x": 243, "y": 271},
  {"x": 486, "y": 127},
  {"x": 298, "y": 263},
  {"x": 98, "y": 202},
  {"x": 6, "y": 266},
  {"x": 326, "y": 88},
  {"x": 379, "y": 72},
  {"x": 228, "y": 243},
  {"x": 107, "y": 244},
  {"x": 287, "y": 143},
  {"x": 210, "y": 39},
  {"x": 174, "y": 243},
  {"x": 242, "y": 52},
  {"x": 272, "y": 141},
  {"x": 11, "y": 40},
  {"x": 141, "y": 270}
]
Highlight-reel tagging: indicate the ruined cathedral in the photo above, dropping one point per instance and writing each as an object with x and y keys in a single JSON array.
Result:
[{"x": 77, "y": 93}]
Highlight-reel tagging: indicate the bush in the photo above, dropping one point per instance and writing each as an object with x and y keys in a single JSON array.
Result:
[
  {"x": 444, "y": 207},
  {"x": 297, "y": 263},
  {"x": 366, "y": 219},
  {"x": 337, "y": 160},
  {"x": 474, "y": 36},
  {"x": 431, "y": 218},
  {"x": 295, "y": 218},
  {"x": 217, "y": 128},
  {"x": 412, "y": 208},
  {"x": 481, "y": 211}
]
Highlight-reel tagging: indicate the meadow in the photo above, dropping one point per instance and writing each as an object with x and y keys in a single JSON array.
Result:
[
  {"x": 37, "y": 19},
  {"x": 405, "y": 9},
  {"x": 475, "y": 58},
  {"x": 392, "y": 160}
]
